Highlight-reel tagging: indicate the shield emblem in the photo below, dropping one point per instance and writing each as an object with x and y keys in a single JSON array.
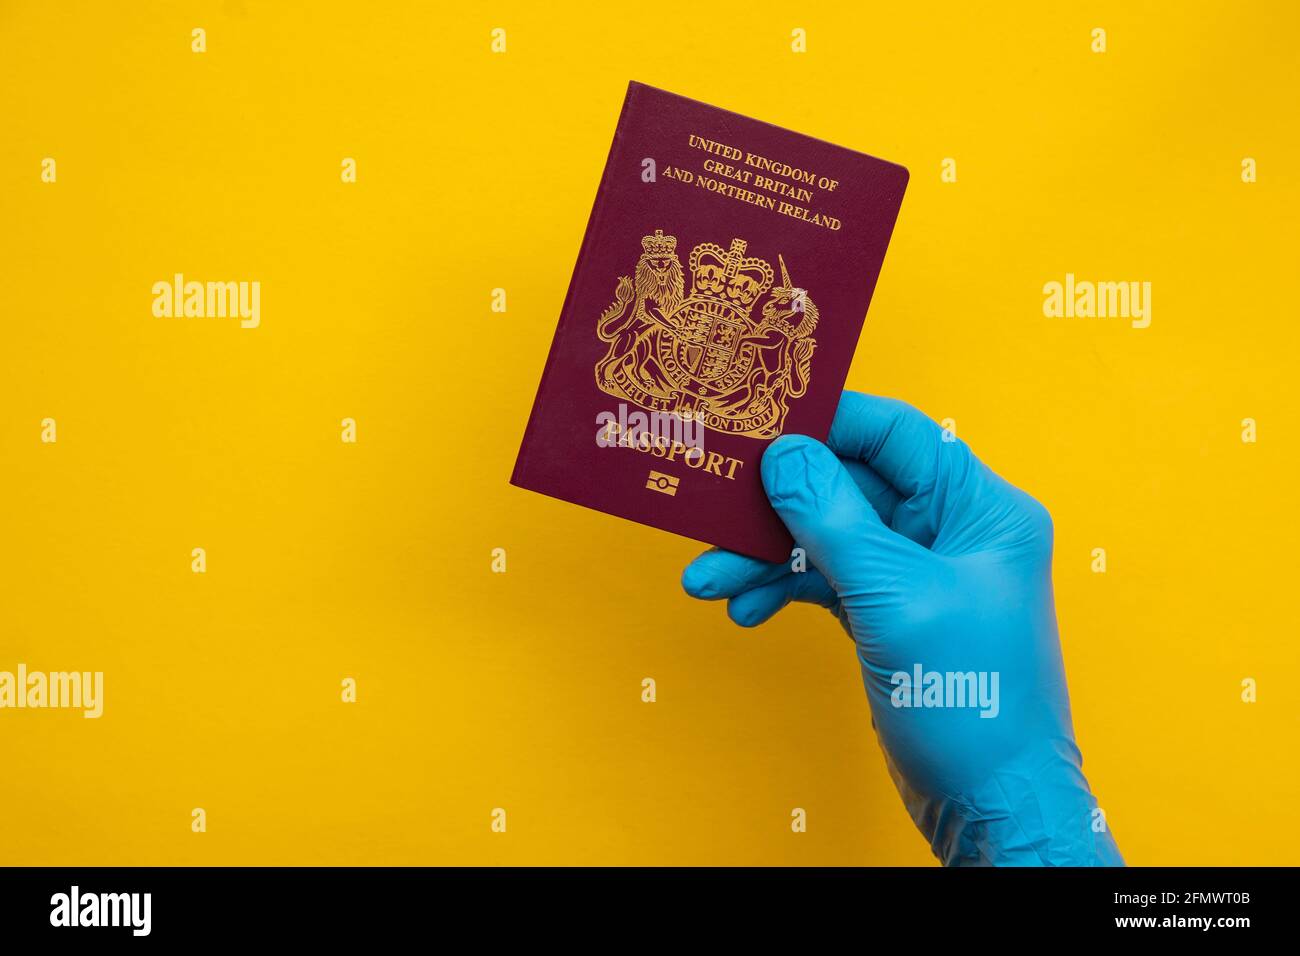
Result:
[{"x": 707, "y": 338}]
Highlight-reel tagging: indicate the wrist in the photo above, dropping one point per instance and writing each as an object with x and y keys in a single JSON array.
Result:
[{"x": 1035, "y": 811}]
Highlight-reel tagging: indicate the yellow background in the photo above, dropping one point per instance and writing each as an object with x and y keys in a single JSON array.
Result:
[{"x": 523, "y": 690}]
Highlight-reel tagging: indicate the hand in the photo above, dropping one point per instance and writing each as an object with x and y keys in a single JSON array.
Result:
[{"x": 936, "y": 567}]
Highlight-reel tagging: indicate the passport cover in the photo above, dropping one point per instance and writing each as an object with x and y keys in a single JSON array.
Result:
[{"x": 716, "y": 303}]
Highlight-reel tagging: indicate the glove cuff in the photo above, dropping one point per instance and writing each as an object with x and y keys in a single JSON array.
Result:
[{"x": 1036, "y": 811}]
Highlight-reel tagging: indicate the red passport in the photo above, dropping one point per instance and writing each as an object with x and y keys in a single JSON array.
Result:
[{"x": 717, "y": 300}]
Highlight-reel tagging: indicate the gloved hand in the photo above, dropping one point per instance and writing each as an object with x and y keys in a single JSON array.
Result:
[{"x": 936, "y": 567}]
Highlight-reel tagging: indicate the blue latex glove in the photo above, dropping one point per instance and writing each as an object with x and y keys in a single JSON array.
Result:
[{"x": 928, "y": 558}]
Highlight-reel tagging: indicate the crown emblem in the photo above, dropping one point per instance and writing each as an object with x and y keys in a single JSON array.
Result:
[
  {"x": 727, "y": 275},
  {"x": 659, "y": 244}
]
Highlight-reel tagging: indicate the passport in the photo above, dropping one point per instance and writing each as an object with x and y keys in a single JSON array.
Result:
[{"x": 717, "y": 300}]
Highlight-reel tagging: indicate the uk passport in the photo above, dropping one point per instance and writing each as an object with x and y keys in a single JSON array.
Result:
[{"x": 716, "y": 304}]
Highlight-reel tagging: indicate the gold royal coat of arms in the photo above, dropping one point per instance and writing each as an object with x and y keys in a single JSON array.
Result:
[{"x": 706, "y": 355}]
